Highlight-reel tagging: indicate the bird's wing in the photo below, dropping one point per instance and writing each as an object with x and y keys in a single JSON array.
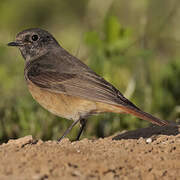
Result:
[{"x": 66, "y": 74}]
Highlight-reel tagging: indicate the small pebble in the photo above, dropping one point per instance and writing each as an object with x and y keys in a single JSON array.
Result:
[{"x": 148, "y": 140}]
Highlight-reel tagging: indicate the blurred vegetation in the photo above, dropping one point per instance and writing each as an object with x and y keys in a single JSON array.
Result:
[{"x": 132, "y": 44}]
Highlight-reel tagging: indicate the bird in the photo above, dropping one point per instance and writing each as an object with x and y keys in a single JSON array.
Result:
[{"x": 66, "y": 86}]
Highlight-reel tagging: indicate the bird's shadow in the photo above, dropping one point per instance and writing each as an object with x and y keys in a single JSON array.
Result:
[{"x": 172, "y": 129}]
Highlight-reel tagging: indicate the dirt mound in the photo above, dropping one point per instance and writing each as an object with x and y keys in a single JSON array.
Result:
[{"x": 149, "y": 153}]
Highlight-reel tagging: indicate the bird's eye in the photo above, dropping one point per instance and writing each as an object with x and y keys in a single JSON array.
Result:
[{"x": 35, "y": 37}]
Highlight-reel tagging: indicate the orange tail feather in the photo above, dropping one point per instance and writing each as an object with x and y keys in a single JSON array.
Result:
[
  {"x": 101, "y": 107},
  {"x": 143, "y": 115}
]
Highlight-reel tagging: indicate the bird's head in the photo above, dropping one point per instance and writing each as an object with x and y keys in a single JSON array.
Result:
[{"x": 34, "y": 42}]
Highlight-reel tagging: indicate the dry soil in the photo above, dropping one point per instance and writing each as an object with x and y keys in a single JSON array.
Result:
[{"x": 149, "y": 153}]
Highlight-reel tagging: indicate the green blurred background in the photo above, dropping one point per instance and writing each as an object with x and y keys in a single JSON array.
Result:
[{"x": 134, "y": 44}]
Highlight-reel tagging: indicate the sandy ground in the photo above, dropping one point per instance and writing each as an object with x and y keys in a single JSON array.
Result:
[{"x": 149, "y": 153}]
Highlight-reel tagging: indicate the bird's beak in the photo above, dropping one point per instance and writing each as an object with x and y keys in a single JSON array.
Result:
[{"x": 15, "y": 43}]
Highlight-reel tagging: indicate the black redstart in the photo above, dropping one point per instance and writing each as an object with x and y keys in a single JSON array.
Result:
[{"x": 67, "y": 87}]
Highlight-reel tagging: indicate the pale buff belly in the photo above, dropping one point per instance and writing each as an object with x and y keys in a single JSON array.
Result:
[{"x": 66, "y": 106}]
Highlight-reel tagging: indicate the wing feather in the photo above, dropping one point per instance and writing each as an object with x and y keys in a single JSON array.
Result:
[{"x": 66, "y": 74}]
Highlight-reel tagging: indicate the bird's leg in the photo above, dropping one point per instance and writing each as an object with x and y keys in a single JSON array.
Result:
[
  {"x": 69, "y": 129},
  {"x": 83, "y": 124}
]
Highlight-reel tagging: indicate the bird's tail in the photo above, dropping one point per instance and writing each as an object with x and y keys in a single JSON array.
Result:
[
  {"x": 143, "y": 115},
  {"x": 130, "y": 109}
]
